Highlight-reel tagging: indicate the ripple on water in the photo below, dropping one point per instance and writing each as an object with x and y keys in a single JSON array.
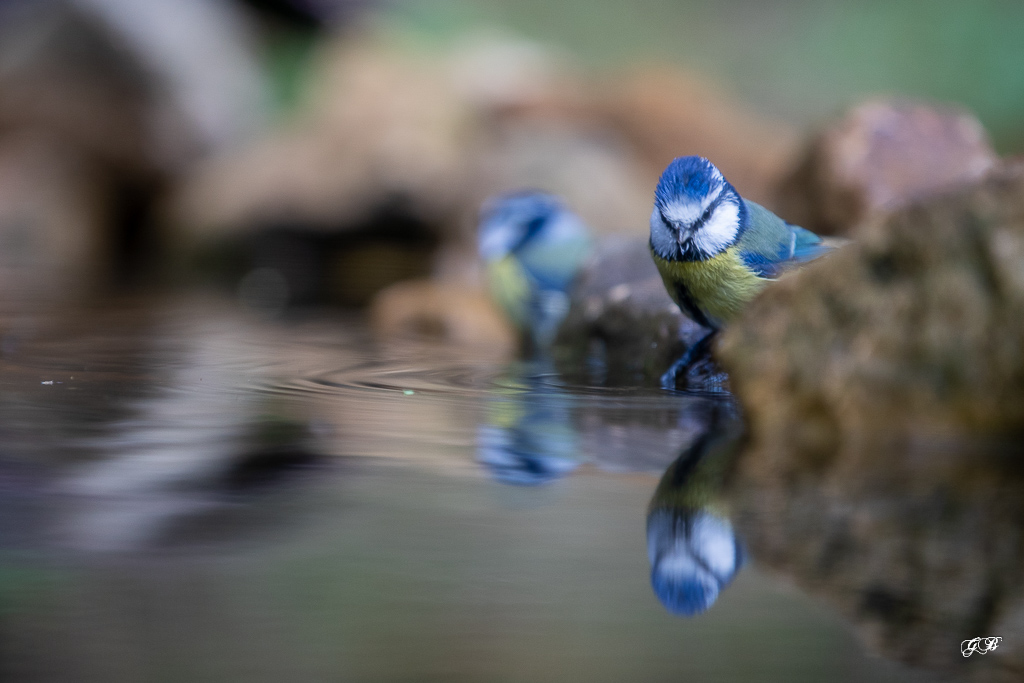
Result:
[{"x": 466, "y": 379}]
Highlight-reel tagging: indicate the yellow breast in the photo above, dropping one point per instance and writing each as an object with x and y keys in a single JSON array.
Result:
[{"x": 719, "y": 287}]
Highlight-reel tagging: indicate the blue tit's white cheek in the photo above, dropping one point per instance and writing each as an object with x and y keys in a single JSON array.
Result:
[
  {"x": 720, "y": 230},
  {"x": 662, "y": 238}
]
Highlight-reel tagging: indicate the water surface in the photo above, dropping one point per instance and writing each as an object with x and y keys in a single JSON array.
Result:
[{"x": 191, "y": 493}]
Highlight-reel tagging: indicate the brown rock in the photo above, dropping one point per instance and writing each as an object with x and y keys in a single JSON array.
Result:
[
  {"x": 879, "y": 156},
  {"x": 115, "y": 79},
  {"x": 552, "y": 128},
  {"x": 101, "y": 102},
  {"x": 386, "y": 124},
  {"x": 915, "y": 331},
  {"x": 441, "y": 130},
  {"x": 55, "y": 215},
  {"x": 622, "y": 326},
  {"x": 444, "y": 312}
]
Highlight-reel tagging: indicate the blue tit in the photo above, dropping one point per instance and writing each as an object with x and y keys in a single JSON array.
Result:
[
  {"x": 691, "y": 544},
  {"x": 715, "y": 250},
  {"x": 533, "y": 247}
]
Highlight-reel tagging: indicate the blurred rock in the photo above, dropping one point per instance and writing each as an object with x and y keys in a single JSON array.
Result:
[
  {"x": 594, "y": 170},
  {"x": 55, "y": 209},
  {"x": 203, "y": 82},
  {"x": 879, "y": 156},
  {"x": 101, "y": 102},
  {"x": 144, "y": 84},
  {"x": 622, "y": 327},
  {"x": 667, "y": 113},
  {"x": 440, "y": 130},
  {"x": 504, "y": 75},
  {"x": 386, "y": 125},
  {"x": 448, "y": 313},
  {"x": 436, "y": 132},
  {"x": 374, "y": 166},
  {"x": 914, "y": 334}
]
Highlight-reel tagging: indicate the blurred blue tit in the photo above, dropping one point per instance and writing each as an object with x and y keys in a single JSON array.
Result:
[
  {"x": 533, "y": 247},
  {"x": 691, "y": 544},
  {"x": 528, "y": 437},
  {"x": 715, "y": 250}
]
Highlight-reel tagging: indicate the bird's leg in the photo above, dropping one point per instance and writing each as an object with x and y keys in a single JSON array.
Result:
[{"x": 696, "y": 352}]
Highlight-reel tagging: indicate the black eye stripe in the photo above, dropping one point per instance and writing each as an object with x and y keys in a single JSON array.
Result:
[{"x": 699, "y": 223}]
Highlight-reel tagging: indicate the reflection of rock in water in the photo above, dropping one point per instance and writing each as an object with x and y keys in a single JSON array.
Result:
[
  {"x": 693, "y": 550},
  {"x": 150, "y": 435},
  {"x": 177, "y": 474},
  {"x": 643, "y": 437},
  {"x": 921, "y": 549}
]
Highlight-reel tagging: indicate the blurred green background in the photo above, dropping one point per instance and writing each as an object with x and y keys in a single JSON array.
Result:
[{"x": 801, "y": 60}]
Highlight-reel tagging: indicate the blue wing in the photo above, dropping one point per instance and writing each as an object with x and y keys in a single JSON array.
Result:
[{"x": 771, "y": 246}]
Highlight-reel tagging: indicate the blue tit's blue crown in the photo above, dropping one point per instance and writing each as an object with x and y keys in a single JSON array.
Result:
[
  {"x": 686, "y": 177},
  {"x": 685, "y": 595},
  {"x": 697, "y": 213}
]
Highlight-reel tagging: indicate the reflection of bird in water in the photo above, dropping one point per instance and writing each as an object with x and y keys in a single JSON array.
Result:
[
  {"x": 715, "y": 250},
  {"x": 527, "y": 437},
  {"x": 533, "y": 246},
  {"x": 692, "y": 547}
]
